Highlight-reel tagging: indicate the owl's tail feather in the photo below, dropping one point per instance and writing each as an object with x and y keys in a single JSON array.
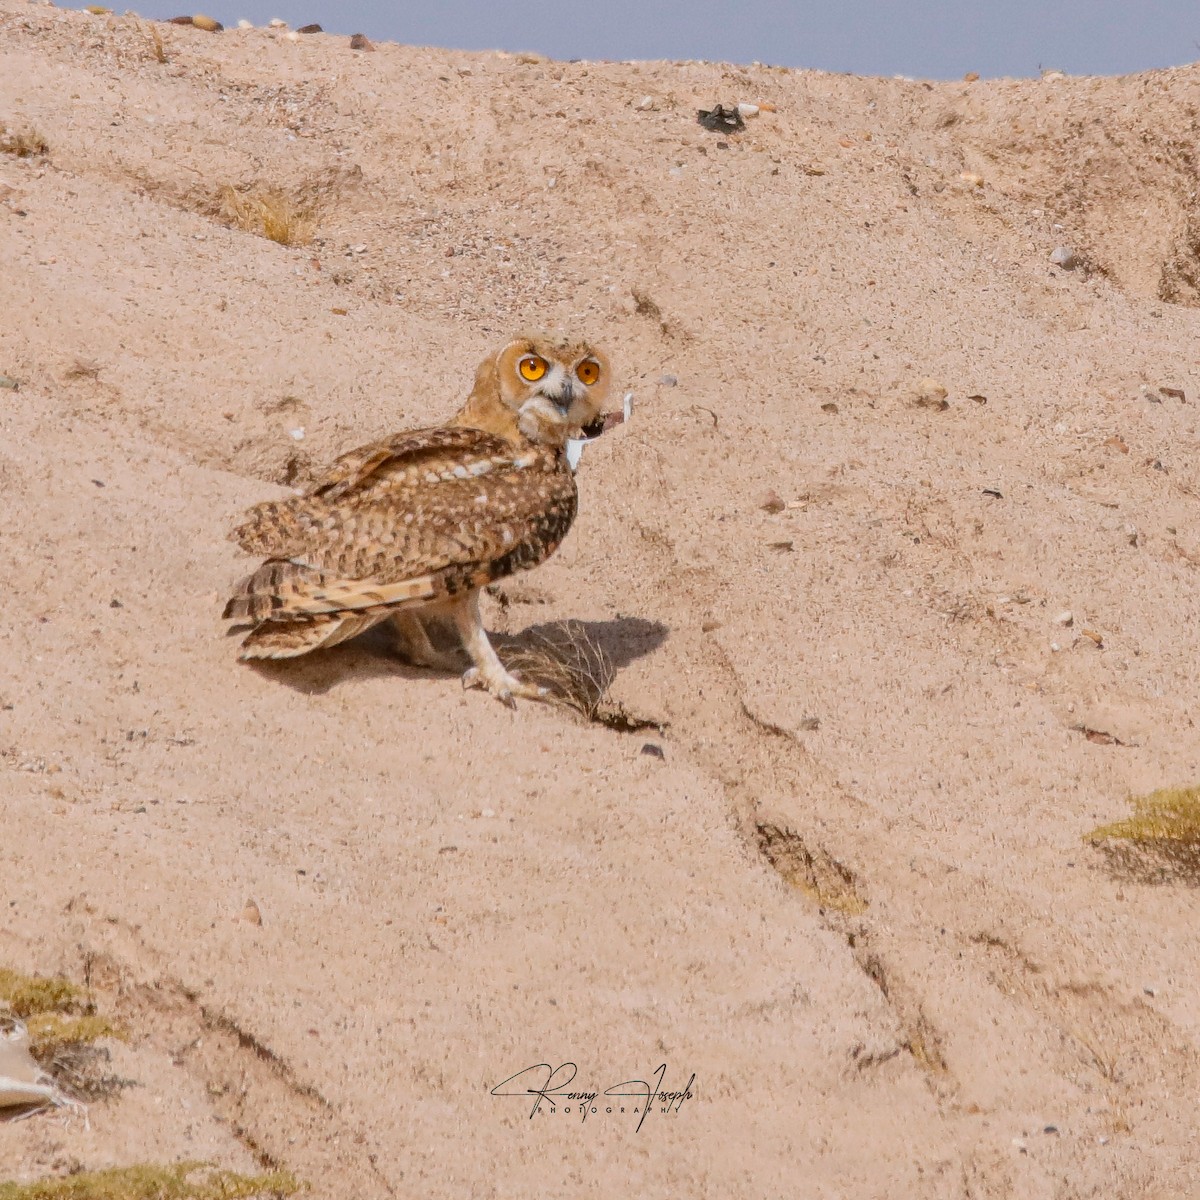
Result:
[
  {"x": 288, "y": 639},
  {"x": 281, "y": 589},
  {"x": 296, "y": 608}
]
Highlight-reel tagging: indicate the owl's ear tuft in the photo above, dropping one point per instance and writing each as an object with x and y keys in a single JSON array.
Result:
[{"x": 487, "y": 376}]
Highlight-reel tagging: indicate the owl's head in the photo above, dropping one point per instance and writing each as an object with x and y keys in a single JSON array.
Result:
[{"x": 554, "y": 387}]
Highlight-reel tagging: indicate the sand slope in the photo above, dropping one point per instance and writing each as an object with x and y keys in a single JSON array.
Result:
[{"x": 871, "y": 688}]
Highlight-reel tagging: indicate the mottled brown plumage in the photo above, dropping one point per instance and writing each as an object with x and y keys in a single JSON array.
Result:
[{"x": 413, "y": 526}]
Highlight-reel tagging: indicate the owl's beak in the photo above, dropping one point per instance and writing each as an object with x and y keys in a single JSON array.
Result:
[{"x": 562, "y": 397}]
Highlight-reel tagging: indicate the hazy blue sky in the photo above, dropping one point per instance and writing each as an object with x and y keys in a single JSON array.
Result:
[{"x": 936, "y": 39}]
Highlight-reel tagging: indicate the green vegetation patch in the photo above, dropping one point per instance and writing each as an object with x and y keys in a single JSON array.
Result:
[
  {"x": 63, "y": 1028},
  {"x": 51, "y": 1033},
  {"x": 1160, "y": 842},
  {"x": 30, "y": 994},
  {"x": 181, "y": 1181}
]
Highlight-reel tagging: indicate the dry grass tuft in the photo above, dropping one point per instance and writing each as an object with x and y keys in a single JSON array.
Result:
[
  {"x": 271, "y": 213},
  {"x": 83, "y": 368},
  {"x": 567, "y": 660},
  {"x": 1104, "y": 1057},
  {"x": 1160, "y": 842},
  {"x": 154, "y": 38},
  {"x": 152, "y": 1181},
  {"x": 817, "y": 874},
  {"x": 22, "y": 143}
]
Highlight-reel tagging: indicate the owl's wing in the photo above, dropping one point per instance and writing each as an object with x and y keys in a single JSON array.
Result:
[
  {"x": 412, "y": 529},
  {"x": 395, "y": 464},
  {"x": 354, "y": 468}
]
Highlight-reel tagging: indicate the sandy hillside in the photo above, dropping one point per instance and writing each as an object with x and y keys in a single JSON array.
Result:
[{"x": 852, "y": 893}]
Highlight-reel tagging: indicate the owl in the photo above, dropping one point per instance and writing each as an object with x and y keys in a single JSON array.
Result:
[{"x": 410, "y": 529}]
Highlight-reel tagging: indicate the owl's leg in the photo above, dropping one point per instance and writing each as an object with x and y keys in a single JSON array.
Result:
[
  {"x": 488, "y": 671},
  {"x": 413, "y": 644}
]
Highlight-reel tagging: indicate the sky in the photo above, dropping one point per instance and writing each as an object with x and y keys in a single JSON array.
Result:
[{"x": 929, "y": 39}]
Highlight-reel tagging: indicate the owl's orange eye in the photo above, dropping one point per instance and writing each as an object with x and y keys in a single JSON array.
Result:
[
  {"x": 532, "y": 368},
  {"x": 588, "y": 371}
]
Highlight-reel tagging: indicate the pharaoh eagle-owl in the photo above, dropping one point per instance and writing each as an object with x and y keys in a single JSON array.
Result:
[{"x": 410, "y": 528}]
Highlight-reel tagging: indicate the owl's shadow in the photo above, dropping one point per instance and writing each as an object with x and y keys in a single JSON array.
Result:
[{"x": 605, "y": 646}]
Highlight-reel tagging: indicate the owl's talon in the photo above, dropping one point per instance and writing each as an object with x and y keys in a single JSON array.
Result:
[{"x": 503, "y": 685}]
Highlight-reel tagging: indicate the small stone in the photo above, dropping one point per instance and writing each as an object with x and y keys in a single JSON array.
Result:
[
  {"x": 645, "y": 104},
  {"x": 771, "y": 502},
  {"x": 251, "y": 913},
  {"x": 292, "y": 35},
  {"x": 930, "y": 393},
  {"x": 277, "y": 23},
  {"x": 244, "y": 24},
  {"x": 668, "y": 380},
  {"x": 360, "y": 41},
  {"x": 7, "y": 381},
  {"x": 1066, "y": 617},
  {"x": 971, "y": 179},
  {"x": 748, "y": 110},
  {"x": 296, "y": 435},
  {"x": 310, "y": 29},
  {"x": 829, "y": 407},
  {"x": 1064, "y": 256},
  {"x": 200, "y": 21},
  {"x": 971, "y": 77},
  {"x": 1050, "y": 1129},
  {"x": 98, "y": 10},
  {"x": 709, "y": 626},
  {"x": 720, "y": 119},
  {"x": 179, "y": 21},
  {"x": 1054, "y": 647},
  {"x": 653, "y": 750}
]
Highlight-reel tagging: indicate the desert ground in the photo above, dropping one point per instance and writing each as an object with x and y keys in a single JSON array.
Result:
[{"x": 896, "y": 564}]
